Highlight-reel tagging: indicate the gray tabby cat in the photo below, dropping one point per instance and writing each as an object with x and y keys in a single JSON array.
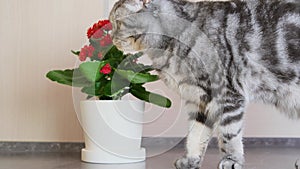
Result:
[{"x": 219, "y": 56}]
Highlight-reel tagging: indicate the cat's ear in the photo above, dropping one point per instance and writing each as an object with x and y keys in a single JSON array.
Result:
[{"x": 133, "y": 6}]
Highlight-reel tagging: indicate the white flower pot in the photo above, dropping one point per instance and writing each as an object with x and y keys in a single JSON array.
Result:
[{"x": 112, "y": 131}]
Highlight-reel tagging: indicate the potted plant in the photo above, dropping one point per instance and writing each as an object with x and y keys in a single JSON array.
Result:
[{"x": 112, "y": 127}]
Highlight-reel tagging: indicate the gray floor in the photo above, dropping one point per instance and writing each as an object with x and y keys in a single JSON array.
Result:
[{"x": 257, "y": 158}]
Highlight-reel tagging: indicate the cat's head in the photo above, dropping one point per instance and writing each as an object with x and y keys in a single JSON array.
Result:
[{"x": 130, "y": 24}]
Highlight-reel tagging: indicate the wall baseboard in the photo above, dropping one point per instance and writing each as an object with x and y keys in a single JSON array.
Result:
[{"x": 16, "y": 147}]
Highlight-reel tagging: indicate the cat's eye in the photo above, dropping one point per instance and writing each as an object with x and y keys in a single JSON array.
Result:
[{"x": 145, "y": 2}]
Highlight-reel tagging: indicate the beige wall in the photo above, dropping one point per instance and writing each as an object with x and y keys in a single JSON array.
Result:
[{"x": 37, "y": 36}]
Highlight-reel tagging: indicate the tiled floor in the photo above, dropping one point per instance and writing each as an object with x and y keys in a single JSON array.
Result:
[{"x": 258, "y": 158}]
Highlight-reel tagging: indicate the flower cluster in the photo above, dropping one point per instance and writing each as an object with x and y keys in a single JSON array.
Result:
[
  {"x": 104, "y": 24},
  {"x": 99, "y": 36},
  {"x": 86, "y": 51},
  {"x": 106, "y": 40}
]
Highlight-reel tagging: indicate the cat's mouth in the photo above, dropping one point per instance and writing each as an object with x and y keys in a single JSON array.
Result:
[
  {"x": 118, "y": 39},
  {"x": 125, "y": 41}
]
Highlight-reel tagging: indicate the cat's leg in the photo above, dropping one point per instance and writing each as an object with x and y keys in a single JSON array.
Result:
[
  {"x": 193, "y": 0},
  {"x": 230, "y": 132},
  {"x": 199, "y": 135},
  {"x": 197, "y": 141},
  {"x": 203, "y": 0}
]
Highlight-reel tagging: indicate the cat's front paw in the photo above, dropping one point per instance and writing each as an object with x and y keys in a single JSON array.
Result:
[
  {"x": 229, "y": 163},
  {"x": 188, "y": 163}
]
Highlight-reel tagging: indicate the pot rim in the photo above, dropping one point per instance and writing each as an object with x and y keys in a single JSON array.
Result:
[{"x": 112, "y": 101}]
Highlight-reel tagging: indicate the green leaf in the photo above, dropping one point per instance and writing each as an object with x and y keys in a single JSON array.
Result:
[
  {"x": 136, "y": 67},
  {"x": 129, "y": 64},
  {"x": 89, "y": 97},
  {"x": 116, "y": 87},
  {"x": 115, "y": 52},
  {"x": 91, "y": 70},
  {"x": 75, "y": 52},
  {"x": 134, "y": 56},
  {"x": 89, "y": 91},
  {"x": 68, "y": 77},
  {"x": 137, "y": 78},
  {"x": 111, "y": 92},
  {"x": 141, "y": 68},
  {"x": 141, "y": 93},
  {"x": 92, "y": 90}
]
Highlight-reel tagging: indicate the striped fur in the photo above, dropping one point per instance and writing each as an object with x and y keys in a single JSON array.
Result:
[{"x": 219, "y": 56}]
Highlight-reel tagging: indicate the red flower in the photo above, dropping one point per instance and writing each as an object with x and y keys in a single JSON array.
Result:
[
  {"x": 108, "y": 26},
  {"x": 106, "y": 69},
  {"x": 106, "y": 41},
  {"x": 86, "y": 51},
  {"x": 100, "y": 55},
  {"x": 90, "y": 50},
  {"x": 98, "y": 34},
  {"x": 82, "y": 56},
  {"x": 104, "y": 23}
]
